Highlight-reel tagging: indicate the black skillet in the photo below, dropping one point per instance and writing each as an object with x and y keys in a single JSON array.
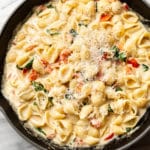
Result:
[{"x": 17, "y": 18}]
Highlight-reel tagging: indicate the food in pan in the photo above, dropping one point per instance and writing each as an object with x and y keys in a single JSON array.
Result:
[{"x": 78, "y": 71}]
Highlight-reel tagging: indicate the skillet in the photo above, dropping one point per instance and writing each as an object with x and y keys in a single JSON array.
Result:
[{"x": 17, "y": 17}]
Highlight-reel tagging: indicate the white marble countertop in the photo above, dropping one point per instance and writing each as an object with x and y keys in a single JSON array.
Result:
[{"x": 9, "y": 139}]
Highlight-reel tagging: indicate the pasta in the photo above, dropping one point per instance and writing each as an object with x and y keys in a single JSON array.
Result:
[{"x": 78, "y": 72}]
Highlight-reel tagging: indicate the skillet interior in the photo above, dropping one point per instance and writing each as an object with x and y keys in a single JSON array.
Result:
[{"x": 5, "y": 37}]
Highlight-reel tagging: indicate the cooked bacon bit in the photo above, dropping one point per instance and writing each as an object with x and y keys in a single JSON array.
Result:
[
  {"x": 129, "y": 70},
  {"x": 105, "y": 17},
  {"x": 24, "y": 71},
  {"x": 109, "y": 137},
  {"x": 79, "y": 141},
  {"x": 64, "y": 56},
  {"x": 33, "y": 75},
  {"x": 51, "y": 136},
  {"x": 133, "y": 62},
  {"x": 125, "y": 6},
  {"x": 95, "y": 123},
  {"x": 30, "y": 48}
]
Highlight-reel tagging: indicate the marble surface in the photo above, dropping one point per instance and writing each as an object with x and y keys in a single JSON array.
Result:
[{"x": 9, "y": 139}]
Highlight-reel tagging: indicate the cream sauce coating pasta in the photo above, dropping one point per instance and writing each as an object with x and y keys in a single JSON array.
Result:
[{"x": 78, "y": 71}]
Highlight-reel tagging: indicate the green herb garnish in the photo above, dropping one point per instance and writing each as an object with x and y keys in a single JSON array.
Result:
[
  {"x": 41, "y": 131},
  {"x": 82, "y": 24},
  {"x": 128, "y": 129},
  {"x": 118, "y": 89},
  {"x": 73, "y": 32},
  {"x": 145, "y": 67},
  {"x": 122, "y": 56},
  {"x": 110, "y": 109},
  {"x": 117, "y": 55},
  {"x": 27, "y": 66},
  {"x": 38, "y": 86},
  {"x": 51, "y": 32}
]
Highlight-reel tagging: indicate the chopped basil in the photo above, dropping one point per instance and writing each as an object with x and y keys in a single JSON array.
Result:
[
  {"x": 122, "y": 56},
  {"x": 128, "y": 129},
  {"x": 110, "y": 109},
  {"x": 118, "y": 89},
  {"x": 73, "y": 32},
  {"x": 38, "y": 86},
  {"x": 115, "y": 51},
  {"x": 41, "y": 131},
  {"x": 145, "y": 67},
  {"x": 27, "y": 66},
  {"x": 51, "y": 32},
  {"x": 50, "y": 99},
  {"x": 117, "y": 55},
  {"x": 82, "y": 24}
]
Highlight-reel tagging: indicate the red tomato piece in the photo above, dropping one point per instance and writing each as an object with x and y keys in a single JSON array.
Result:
[
  {"x": 133, "y": 62},
  {"x": 105, "y": 17},
  {"x": 109, "y": 136},
  {"x": 33, "y": 75}
]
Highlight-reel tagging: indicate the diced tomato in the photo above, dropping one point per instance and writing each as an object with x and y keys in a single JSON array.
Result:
[
  {"x": 105, "y": 17},
  {"x": 133, "y": 62},
  {"x": 64, "y": 56},
  {"x": 33, "y": 75},
  {"x": 125, "y": 6},
  {"x": 95, "y": 123},
  {"x": 105, "y": 56},
  {"x": 109, "y": 137}
]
